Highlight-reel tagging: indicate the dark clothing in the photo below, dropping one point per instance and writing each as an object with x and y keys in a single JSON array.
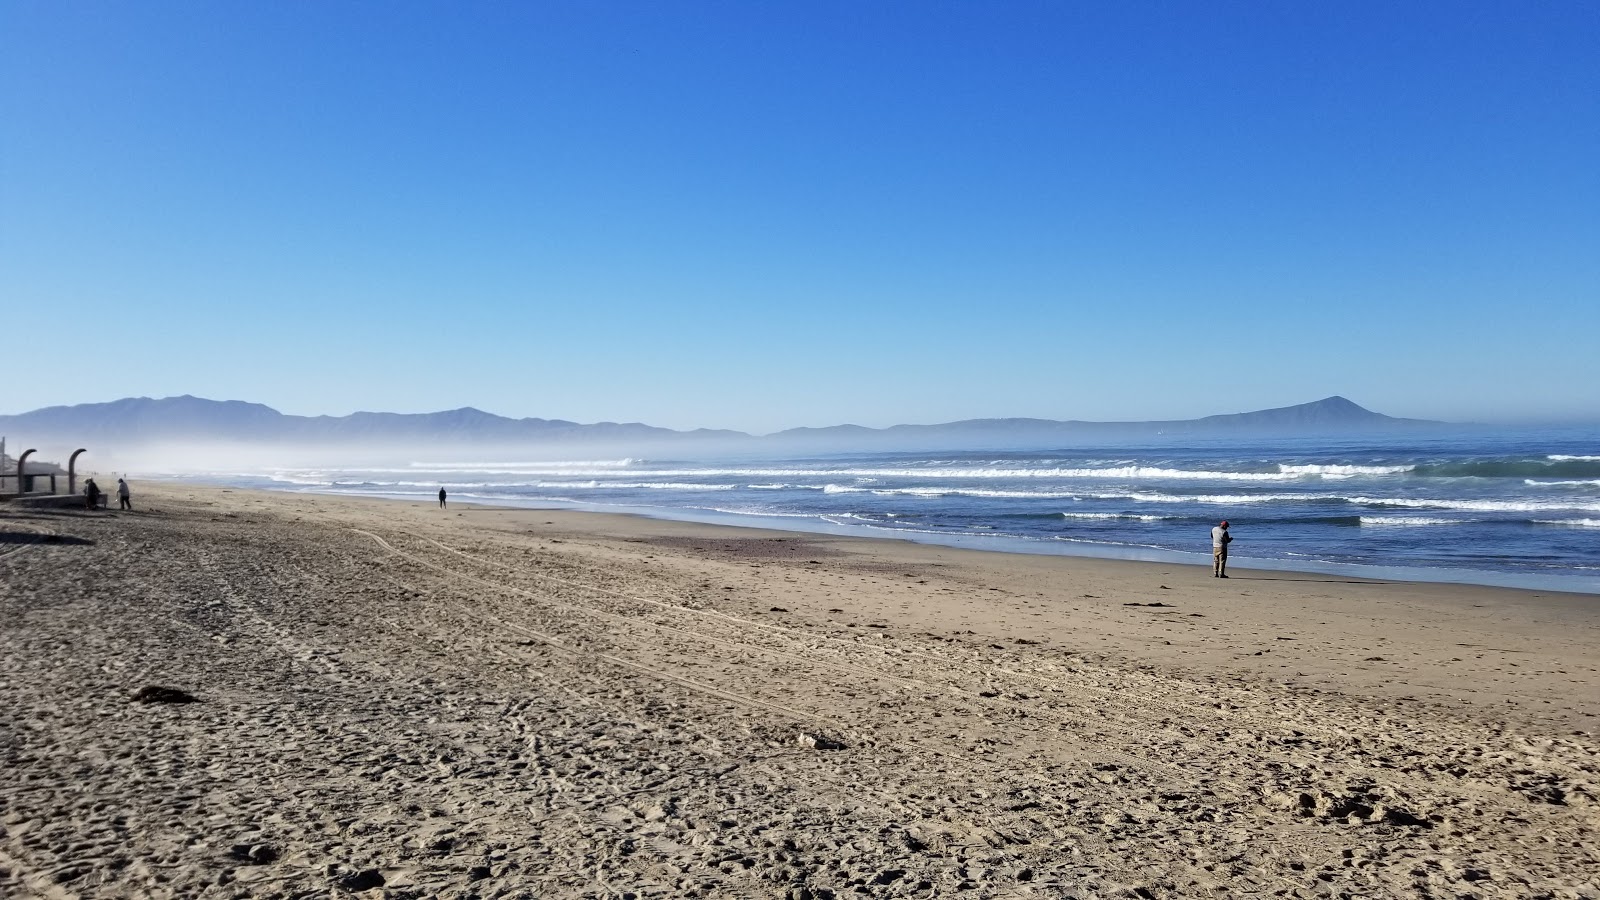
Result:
[{"x": 441, "y": 498}]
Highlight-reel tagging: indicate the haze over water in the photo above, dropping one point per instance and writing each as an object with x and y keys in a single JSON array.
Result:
[{"x": 1517, "y": 508}]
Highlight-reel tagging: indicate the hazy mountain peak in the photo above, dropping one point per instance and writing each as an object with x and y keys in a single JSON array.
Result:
[{"x": 136, "y": 420}]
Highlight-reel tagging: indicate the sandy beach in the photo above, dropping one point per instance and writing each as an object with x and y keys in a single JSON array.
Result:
[{"x": 397, "y": 700}]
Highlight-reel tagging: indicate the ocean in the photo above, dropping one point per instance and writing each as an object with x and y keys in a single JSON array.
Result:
[{"x": 1510, "y": 508}]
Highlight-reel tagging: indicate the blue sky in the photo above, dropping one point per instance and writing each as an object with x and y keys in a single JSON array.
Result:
[{"x": 758, "y": 216}]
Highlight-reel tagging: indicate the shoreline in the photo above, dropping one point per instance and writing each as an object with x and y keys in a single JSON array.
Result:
[
  {"x": 1581, "y": 585},
  {"x": 493, "y": 701}
]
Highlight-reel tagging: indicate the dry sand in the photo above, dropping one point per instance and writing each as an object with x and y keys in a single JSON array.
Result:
[{"x": 478, "y": 702}]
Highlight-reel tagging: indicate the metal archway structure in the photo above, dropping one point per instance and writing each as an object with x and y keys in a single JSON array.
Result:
[
  {"x": 72, "y": 470},
  {"x": 22, "y": 466}
]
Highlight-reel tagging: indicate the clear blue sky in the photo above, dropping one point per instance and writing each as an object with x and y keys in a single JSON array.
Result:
[{"x": 764, "y": 215}]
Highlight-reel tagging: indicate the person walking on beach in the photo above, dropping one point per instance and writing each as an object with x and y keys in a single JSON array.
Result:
[
  {"x": 441, "y": 498},
  {"x": 1220, "y": 539},
  {"x": 122, "y": 496}
]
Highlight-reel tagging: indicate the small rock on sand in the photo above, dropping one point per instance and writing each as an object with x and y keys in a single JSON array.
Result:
[{"x": 153, "y": 693}]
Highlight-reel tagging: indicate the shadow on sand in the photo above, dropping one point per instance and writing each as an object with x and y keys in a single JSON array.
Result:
[{"x": 33, "y": 537}]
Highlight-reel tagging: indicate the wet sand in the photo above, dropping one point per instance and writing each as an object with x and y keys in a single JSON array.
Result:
[{"x": 397, "y": 700}]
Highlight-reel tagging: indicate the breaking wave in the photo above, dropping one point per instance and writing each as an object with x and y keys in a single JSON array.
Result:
[
  {"x": 1130, "y": 516},
  {"x": 1410, "y": 521},
  {"x": 1343, "y": 471},
  {"x": 1475, "y": 505}
]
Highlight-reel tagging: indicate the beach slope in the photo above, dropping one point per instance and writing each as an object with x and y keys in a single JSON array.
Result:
[{"x": 478, "y": 702}]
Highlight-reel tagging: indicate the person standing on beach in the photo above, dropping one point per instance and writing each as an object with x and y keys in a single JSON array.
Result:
[
  {"x": 441, "y": 498},
  {"x": 91, "y": 495},
  {"x": 1220, "y": 539},
  {"x": 122, "y": 496}
]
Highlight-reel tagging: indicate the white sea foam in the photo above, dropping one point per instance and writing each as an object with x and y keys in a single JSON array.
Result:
[
  {"x": 1340, "y": 471},
  {"x": 1154, "y": 472},
  {"x": 854, "y": 521},
  {"x": 1409, "y": 521},
  {"x": 1582, "y": 482},
  {"x": 1562, "y": 457},
  {"x": 1476, "y": 505},
  {"x": 630, "y": 467},
  {"x": 603, "y": 469},
  {"x": 1137, "y": 518},
  {"x": 540, "y": 464},
  {"x": 593, "y": 485},
  {"x": 1380, "y": 502},
  {"x": 664, "y": 485},
  {"x": 304, "y": 479},
  {"x": 980, "y": 492},
  {"x": 950, "y": 492},
  {"x": 1572, "y": 523},
  {"x": 765, "y": 513},
  {"x": 588, "y": 485},
  {"x": 1222, "y": 499}
]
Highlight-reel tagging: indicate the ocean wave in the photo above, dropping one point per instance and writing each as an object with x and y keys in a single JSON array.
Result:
[
  {"x": 1410, "y": 521},
  {"x": 662, "y": 485},
  {"x": 308, "y": 481},
  {"x": 948, "y": 492},
  {"x": 589, "y": 485},
  {"x": 538, "y": 464},
  {"x": 595, "y": 485},
  {"x": 1358, "y": 500},
  {"x": 1106, "y": 472},
  {"x": 1571, "y": 523},
  {"x": 1563, "y": 457},
  {"x": 1133, "y": 516},
  {"x": 1584, "y": 482},
  {"x": 1566, "y": 467},
  {"x": 1128, "y": 472},
  {"x": 1221, "y": 499},
  {"x": 1475, "y": 505},
  {"x": 614, "y": 468},
  {"x": 1161, "y": 473},
  {"x": 1342, "y": 470}
]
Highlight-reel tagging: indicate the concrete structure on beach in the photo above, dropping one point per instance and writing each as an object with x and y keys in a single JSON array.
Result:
[{"x": 23, "y": 475}]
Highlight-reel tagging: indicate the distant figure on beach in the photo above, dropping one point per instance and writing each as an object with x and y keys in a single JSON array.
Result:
[
  {"x": 122, "y": 495},
  {"x": 1220, "y": 539},
  {"x": 91, "y": 494},
  {"x": 441, "y": 498}
]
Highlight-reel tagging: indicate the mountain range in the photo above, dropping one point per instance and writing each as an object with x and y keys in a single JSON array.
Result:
[{"x": 187, "y": 419}]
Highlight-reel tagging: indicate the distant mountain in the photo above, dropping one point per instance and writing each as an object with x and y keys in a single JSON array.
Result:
[
  {"x": 1331, "y": 415},
  {"x": 1332, "y": 412},
  {"x": 142, "y": 420}
]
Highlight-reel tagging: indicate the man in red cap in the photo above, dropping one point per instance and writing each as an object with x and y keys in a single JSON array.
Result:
[{"x": 1220, "y": 539}]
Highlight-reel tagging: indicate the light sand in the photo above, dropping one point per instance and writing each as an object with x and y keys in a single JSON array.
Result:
[{"x": 490, "y": 703}]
